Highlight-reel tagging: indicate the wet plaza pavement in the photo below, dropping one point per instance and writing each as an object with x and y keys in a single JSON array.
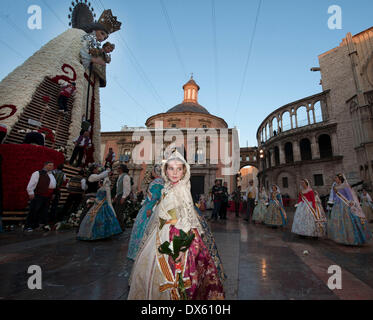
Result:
[{"x": 261, "y": 264}]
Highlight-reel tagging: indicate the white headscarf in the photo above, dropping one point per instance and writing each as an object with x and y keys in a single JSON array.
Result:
[
  {"x": 277, "y": 188},
  {"x": 187, "y": 216},
  {"x": 356, "y": 209}
]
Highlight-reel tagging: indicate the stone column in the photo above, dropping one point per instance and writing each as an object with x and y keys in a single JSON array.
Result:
[
  {"x": 296, "y": 119},
  {"x": 308, "y": 116},
  {"x": 313, "y": 114},
  {"x": 273, "y": 161},
  {"x": 296, "y": 151},
  {"x": 315, "y": 148},
  {"x": 269, "y": 160},
  {"x": 334, "y": 141},
  {"x": 282, "y": 154}
]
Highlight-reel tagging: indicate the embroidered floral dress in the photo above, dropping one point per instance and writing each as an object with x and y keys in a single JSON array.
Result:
[
  {"x": 154, "y": 274},
  {"x": 139, "y": 227},
  {"x": 261, "y": 208},
  {"x": 347, "y": 225},
  {"x": 209, "y": 241},
  {"x": 275, "y": 215},
  {"x": 100, "y": 222},
  {"x": 304, "y": 222}
]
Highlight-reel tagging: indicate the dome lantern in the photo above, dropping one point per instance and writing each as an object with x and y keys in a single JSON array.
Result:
[{"x": 191, "y": 89}]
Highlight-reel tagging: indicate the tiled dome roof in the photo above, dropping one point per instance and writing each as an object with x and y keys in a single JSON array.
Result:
[{"x": 188, "y": 107}]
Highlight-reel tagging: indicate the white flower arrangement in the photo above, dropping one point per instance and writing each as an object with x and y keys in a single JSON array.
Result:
[{"x": 19, "y": 87}]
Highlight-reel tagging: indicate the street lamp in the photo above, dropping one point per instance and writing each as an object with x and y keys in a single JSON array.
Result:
[{"x": 261, "y": 154}]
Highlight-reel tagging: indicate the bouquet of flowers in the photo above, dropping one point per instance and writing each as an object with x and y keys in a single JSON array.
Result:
[{"x": 180, "y": 243}]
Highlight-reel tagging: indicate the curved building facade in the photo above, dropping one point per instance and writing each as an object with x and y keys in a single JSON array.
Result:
[{"x": 327, "y": 133}]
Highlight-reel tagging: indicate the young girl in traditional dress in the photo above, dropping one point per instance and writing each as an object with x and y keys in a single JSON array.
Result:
[
  {"x": 275, "y": 215},
  {"x": 308, "y": 220},
  {"x": 142, "y": 219},
  {"x": 347, "y": 224},
  {"x": 154, "y": 274},
  {"x": 367, "y": 205},
  {"x": 261, "y": 207},
  {"x": 100, "y": 222}
]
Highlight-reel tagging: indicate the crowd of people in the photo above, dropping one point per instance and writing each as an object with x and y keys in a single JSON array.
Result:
[
  {"x": 168, "y": 215},
  {"x": 344, "y": 220},
  {"x": 88, "y": 192},
  {"x": 174, "y": 252}
]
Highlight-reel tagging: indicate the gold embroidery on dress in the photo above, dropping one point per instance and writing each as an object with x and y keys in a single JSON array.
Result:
[
  {"x": 172, "y": 213},
  {"x": 162, "y": 223}
]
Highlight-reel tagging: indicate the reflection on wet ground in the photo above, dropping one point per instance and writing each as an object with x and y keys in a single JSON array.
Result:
[{"x": 261, "y": 263}]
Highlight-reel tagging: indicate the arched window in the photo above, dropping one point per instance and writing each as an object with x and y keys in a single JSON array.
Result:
[
  {"x": 325, "y": 146},
  {"x": 277, "y": 156},
  {"x": 286, "y": 121},
  {"x": 302, "y": 118},
  {"x": 318, "y": 112},
  {"x": 305, "y": 149},
  {"x": 289, "y": 158},
  {"x": 275, "y": 126}
]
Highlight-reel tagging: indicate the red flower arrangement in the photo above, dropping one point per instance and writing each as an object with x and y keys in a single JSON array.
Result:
[
  {"x": 49, "y": 135},
  {"x": 46, "y": 99},
  {"x": 6, "y": 115},
  {"x": 65, "y": 78},
  {"x": 19, "y": 162}
]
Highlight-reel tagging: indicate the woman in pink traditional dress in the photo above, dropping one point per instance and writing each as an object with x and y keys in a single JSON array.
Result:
[{"x": 155, "y": 275}]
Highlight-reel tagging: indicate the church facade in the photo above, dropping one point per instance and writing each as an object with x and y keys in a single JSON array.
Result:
[{"x": 187, "y": 126}]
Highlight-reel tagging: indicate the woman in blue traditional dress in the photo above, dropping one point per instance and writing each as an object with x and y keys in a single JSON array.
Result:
[
  {"x": 153, "y": 196},
  {"x": 347, "y": 224},
  {"x": 308, "y": 220},
  {"x": 100, "y": 222},
  {"x": 275, "y": 215},
  {"x": 261, "y": 207}
]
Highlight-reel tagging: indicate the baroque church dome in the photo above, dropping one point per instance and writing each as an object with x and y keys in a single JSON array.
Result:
[{"x": 188, "y": 114}]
